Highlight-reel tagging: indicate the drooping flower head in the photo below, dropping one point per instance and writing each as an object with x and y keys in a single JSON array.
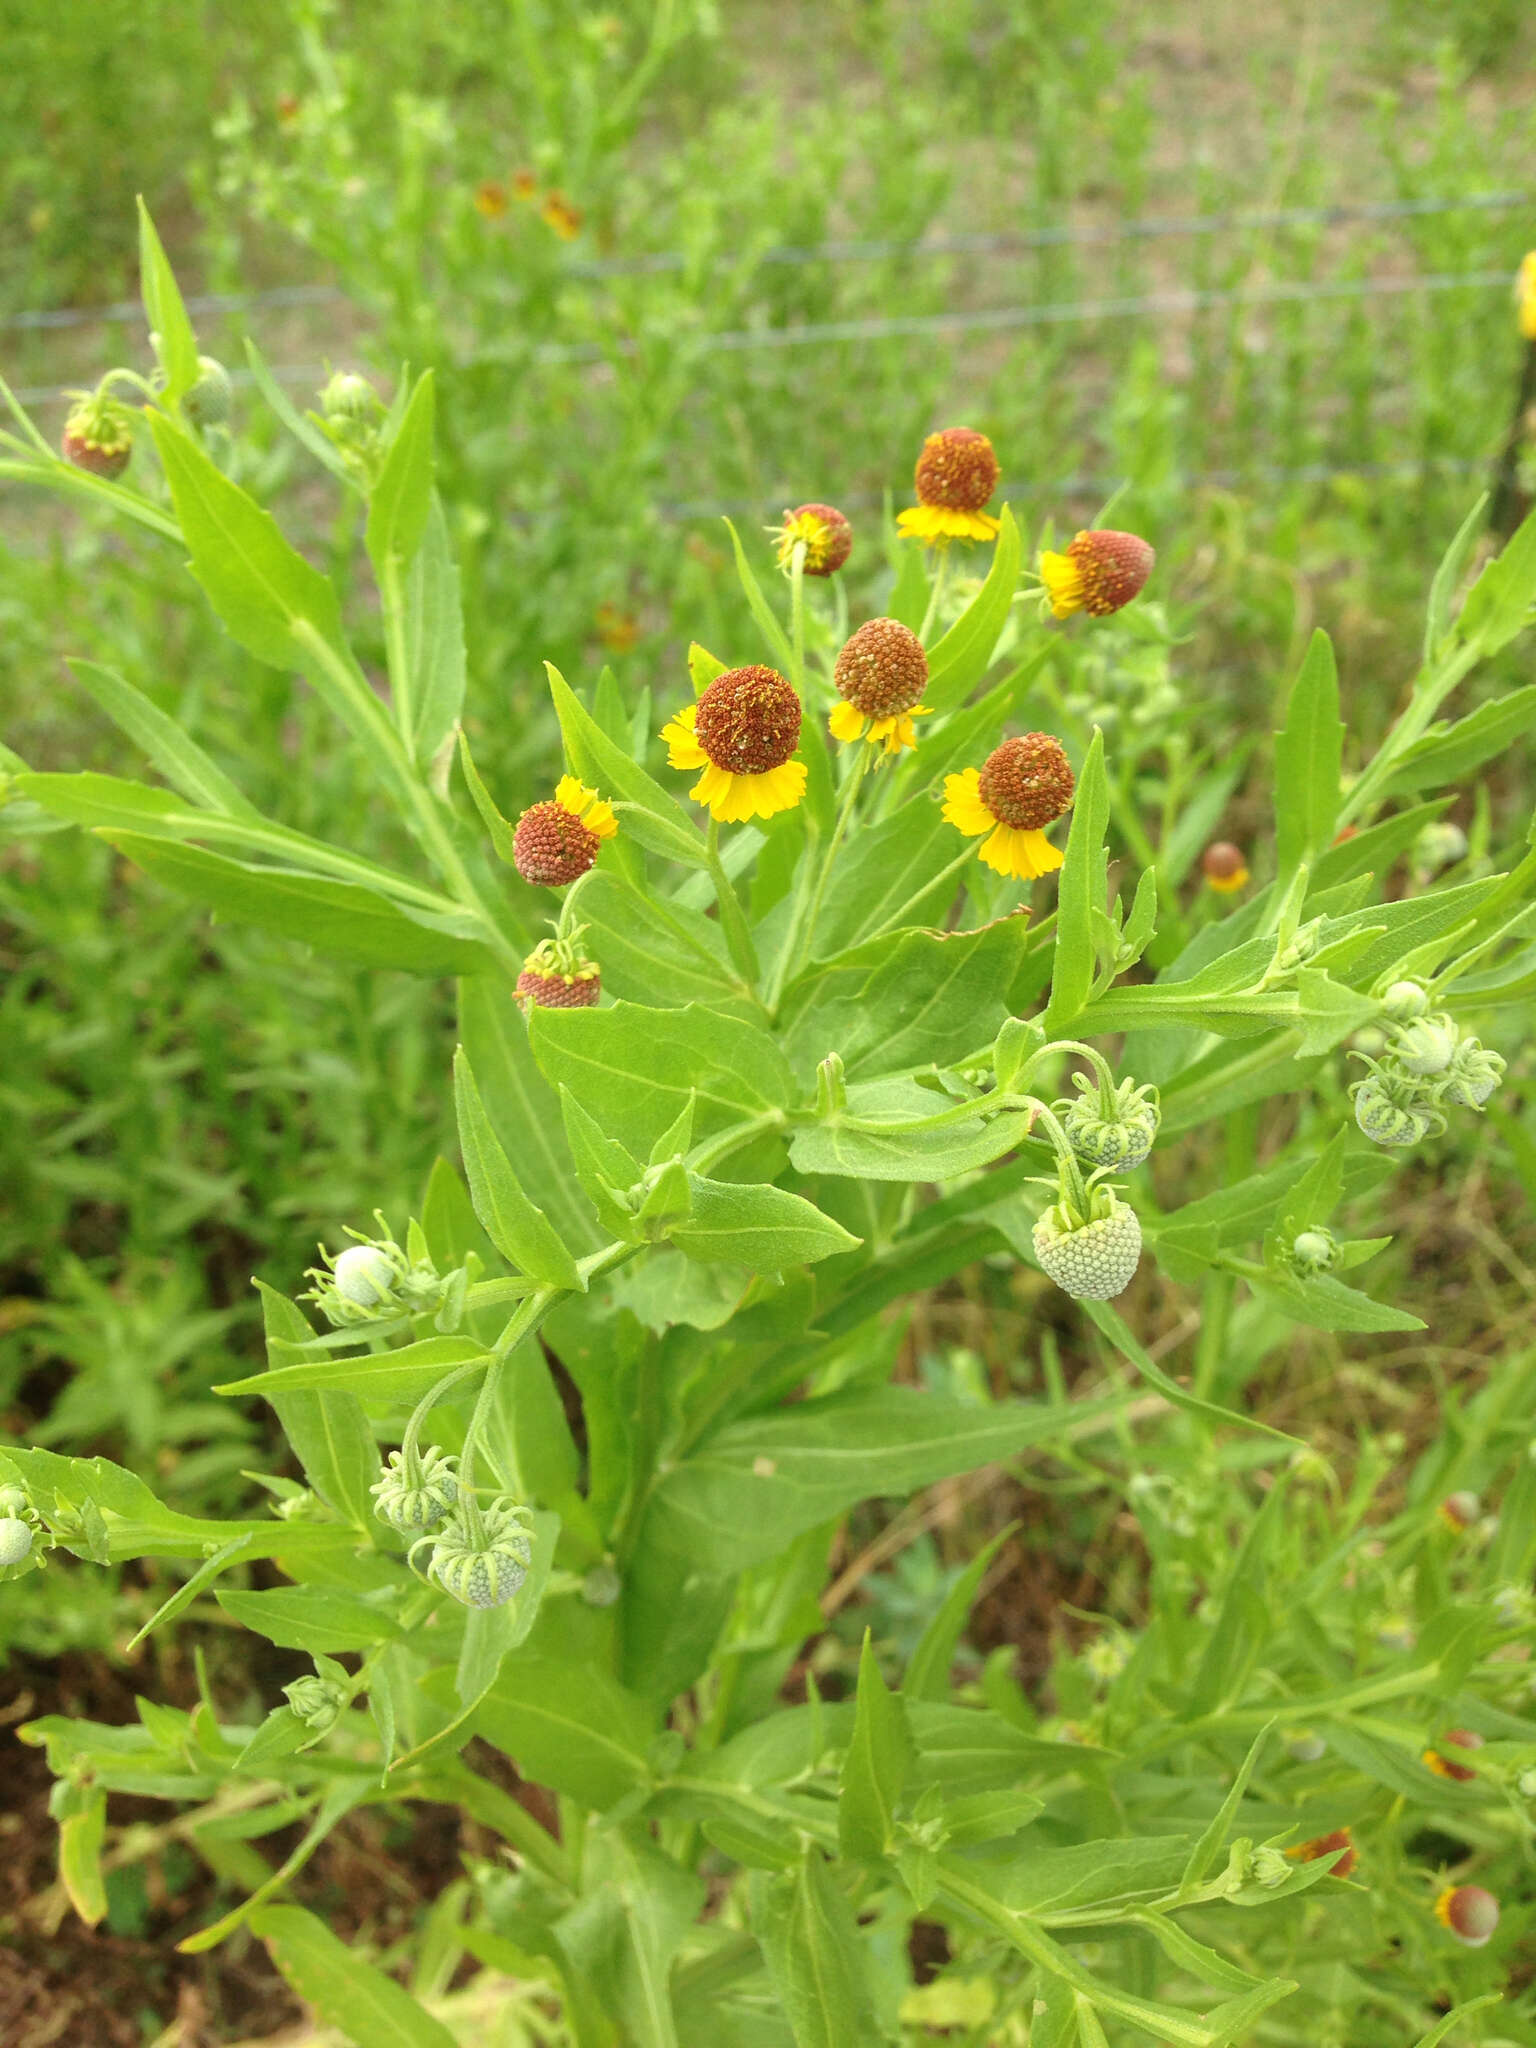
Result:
[
  {"x": 1019, "y": 789},
  {"x": 1224, "y": 867},
  {"x": 1099, "y": 573},
  {"x": 880, "y": 674},
  {"x": 741, "y": 733},
  {"x": 1339, "y": 1844},
  {"x": 98, "y": 434},
  {"x": 482, "y": 1567},
  {"x": 1460, "y": 1510},
  {"x": 1468, "y": 1912},
  {"x": 956, "y": 474},
  {"x": 558, "y": 840},
  {"x": 827, "y": 535},
  {"x": 1091, "y": 1254},
  {"x": 416, "y": 1489},
  {"x": 557, "y": 975}
]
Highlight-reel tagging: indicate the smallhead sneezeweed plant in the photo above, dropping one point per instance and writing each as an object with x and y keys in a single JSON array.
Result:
[{"x": 768, "y": 1022}]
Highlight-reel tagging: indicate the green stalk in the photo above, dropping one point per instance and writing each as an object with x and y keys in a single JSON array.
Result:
[
  {"x": 804, "y": 916},
  {"x": 940, "y": 578},
  {"x": 732, "y": 917}
]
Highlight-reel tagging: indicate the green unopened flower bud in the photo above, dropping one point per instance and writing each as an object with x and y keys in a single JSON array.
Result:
[
  {"x": 1426, "y": 1046},
  {"x": 1404, "y": 1001},
  {"x": 1525, "y": 1784},
  {"x": 1439, "y": 845},
  {"x": 373, "y": 1281},
  {"x": 1304, "y": 1747},
  {"x": 350, "y": 398},
  {"x": 1301, "y": 946},
  {"x": 208, "y": 402},
  {"x": 602, "y": 1586},
  {"x": 302, "y": 1506},
  {"x": 1270, "y": 1867},
  {"x": 15, "y": 1540},
  {"x": 1314, "y": 1251},
  {"x": 1105, "y": 1659},
  {"x": 1390, "y": 1113},
  {"x": 1472, "y": 1076},
  {"x": 1117, "y": 1136},
  {"x": 363, "y": 1275},
  {"x": 416, "y": 1490},
  {"x": 14, "y": 1500},
  {"x": 317, "y": 1701},
  {"x": 484, "y": 1569},
  {"x": 1090, "y": 1257}
]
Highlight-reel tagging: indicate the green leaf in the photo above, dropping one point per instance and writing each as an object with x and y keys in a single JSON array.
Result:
[
  {"x": 329, "y": 1432},
  {"x": 703, "y": 667},
  {"x": 1448, "y": 576},
  {"x": 757, "y": 1484},
  {"x": 1324, "y": 1303},
  {"x": 876, "y": 1765},
  {"x": 962, "y": 657},
  {"x": 900, "y": 1154},
  {"x": 521, "y": 1232},
  {"x": 82, "y": 1832},
  {"x": 303, "y": 430},
  {"x": 503, "y": 835},
  {"x": 263, "y": 590},
  {"x": 434, "y": 637},
  {"x": 174, "y": 341},
  {"x": 927, "y": 1674},
  {"x": 315, "y": 1617},
  {"x": 1083, "y": 889},
  {"x": 1308, "y": 759},
  {"x": 339, "y": 918},
  {"x": 1449, "y": 755},
  {"x": 569, "y": 1726},
  {"x": 887, "y": 871},
  {"x": 657, "y": 819},
  {"x": 908, "y": 600},
  {"x": 370, "y": 2009},
  {"x": 179, "y": 758},
  {"x": 603, "y": 1167},
  {"x": 764, "y": 1228},
  {"x": 1213, "y": 1840},
  {"x": 816, "y": 1956},
  {"x": 653, "y": 1907},
  {"x": 1455, "y": 2017},
  {"x": 633, "y": 1069},
  {"x": 522, "y": 1106},
  {"x": 399, "y": 1377},
  {"x": 767, "y": 618},
  {"x": 652, "y": 953},
  {"x": 402, "y": 497},
  {"x": 1499, "y": 603}
]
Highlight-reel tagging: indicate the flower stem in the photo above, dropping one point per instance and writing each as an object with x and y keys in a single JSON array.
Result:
[
  {"x": 797, "y": 615},
  {"x": 799, "y": 943},
  {"x": 732, "y": 916},
  {"x": 940, "y": 578}
]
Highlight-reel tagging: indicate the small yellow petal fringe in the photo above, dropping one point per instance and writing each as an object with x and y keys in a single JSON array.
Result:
[
  {"x": 733, "y": 799},
  {"x": 1063, "y": 582},
  {"x": 1225, "y": 884},
  {"x": 1010, "y": 849},
  {"x": 683, "y": 750},
  {"x": 936, "y": 524},
  {"x": 846, "y": 722},
  {"x": 963, "y": 807},
  {"x": 585, "y": 804}
]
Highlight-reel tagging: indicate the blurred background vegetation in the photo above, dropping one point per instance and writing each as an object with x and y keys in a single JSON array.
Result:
[{"x": 673, "y": 259}]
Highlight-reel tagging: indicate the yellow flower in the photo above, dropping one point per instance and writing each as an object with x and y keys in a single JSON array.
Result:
[
  {"x": 558, "y": 213},
  {"x": 880, "y": 673},
  {"x": 827, "y": 535},
  {"x": 741, "y": 733},
  {"x": 491, "y": 199},
  {"x": 1100, "y": 572},
  {"x": 956, "y": 474},
  {"x": 1020, "y": 788},
  {"x": 1525, "y": 295},
  {"x": 586, "y": 804},
  {"x": 557, "y": 840},
  {"x": 1224, "y": 867}
]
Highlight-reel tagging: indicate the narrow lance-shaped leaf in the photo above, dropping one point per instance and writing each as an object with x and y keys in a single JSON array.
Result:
[
  {"x": 402, "y": 497},
  {"x": 1084, "y": 886},
  {"x": 178, "y": 757},
  {"x": 877, "y": 1765},
  {"x": 175, "y": 342},
  {"x": 1308, "y": 759},
  {"x": 372, "y": 2010},
  {"x": 520, "y": 1232}
]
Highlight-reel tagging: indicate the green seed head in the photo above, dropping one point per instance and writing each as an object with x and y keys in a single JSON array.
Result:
[
  {"x": 485, "y": 1569},
  {"x": 15, "y": 1540},
  {"x": 1119, "y": 1141},
  {"x": 1090, "y": 1258},
  {"x": 416, "y": 1490}
]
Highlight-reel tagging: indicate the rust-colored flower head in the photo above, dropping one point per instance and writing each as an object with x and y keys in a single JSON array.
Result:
[
  {"x": 1442, "y": 1765},
  {"x": 491, "y": 199},
  {"x": 525, "y": 186},
  {"x": 98, "y": 434},
  {"x": 1020, "y": 788},
  {"x": 741, "y": 733},
  {"x": 1224, "y": 866},
  {"x": 1099, "y": 573},
  {"x": 880, "y": 674},
  {"x": 1460, "y": 1510},
  {"x": 1468, "y": 1912},
  {"x": 827, "y": 535},
  {"x": 558, "y": 840},
  {"x": 956, "y": 474},
  {"x": 558, "y": 975},
  {"x": 1338, "y": 1844},
  {"x": 558, "y": 213}
]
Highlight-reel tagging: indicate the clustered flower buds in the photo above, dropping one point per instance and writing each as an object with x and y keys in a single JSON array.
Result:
[
  {"x": 557, "y": 975},
  {"x": 98, "y": 434},
  {"x": 373, "y": 1281},
  {"x": 1091, "y": 1253},
  {"x": 317, "y": 1701},
  {"x": 1428, "y": 1062},
  {"x": 352, "y": 415},
  {"x": 1111, "y": 1128},
  {"x": 484, "y": 1565},
  {"x": 416, "y": 1489}
]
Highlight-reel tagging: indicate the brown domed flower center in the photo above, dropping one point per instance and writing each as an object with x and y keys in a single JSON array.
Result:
[
  {"x": 827, "y": 535},
  {"x": 551, "y": 846},
  {"x": 957, "y": 470},
  {"x": 1113, "y": 567},
  {"x": 748, "y": 721},
  {"x": 882, "y": 670},
  {"x": 1027, "y": 782}
]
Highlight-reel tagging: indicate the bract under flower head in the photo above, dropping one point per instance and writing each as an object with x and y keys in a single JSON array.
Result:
[
  {"x": 741, "y": 733},
  {"x": 416, "y": 1489},
  {"x": 484, "y": 1569},
  {"x": 826, "y": 533},
  {"x": 1224, "y": 867},
  {"x": 1099, "y": 572},
  {"x": 1020, "y": 788},
  {"x": 956, "y": 474},
  {"x": 558, "y": 840},
  {"x": 880, "y": 674}
]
